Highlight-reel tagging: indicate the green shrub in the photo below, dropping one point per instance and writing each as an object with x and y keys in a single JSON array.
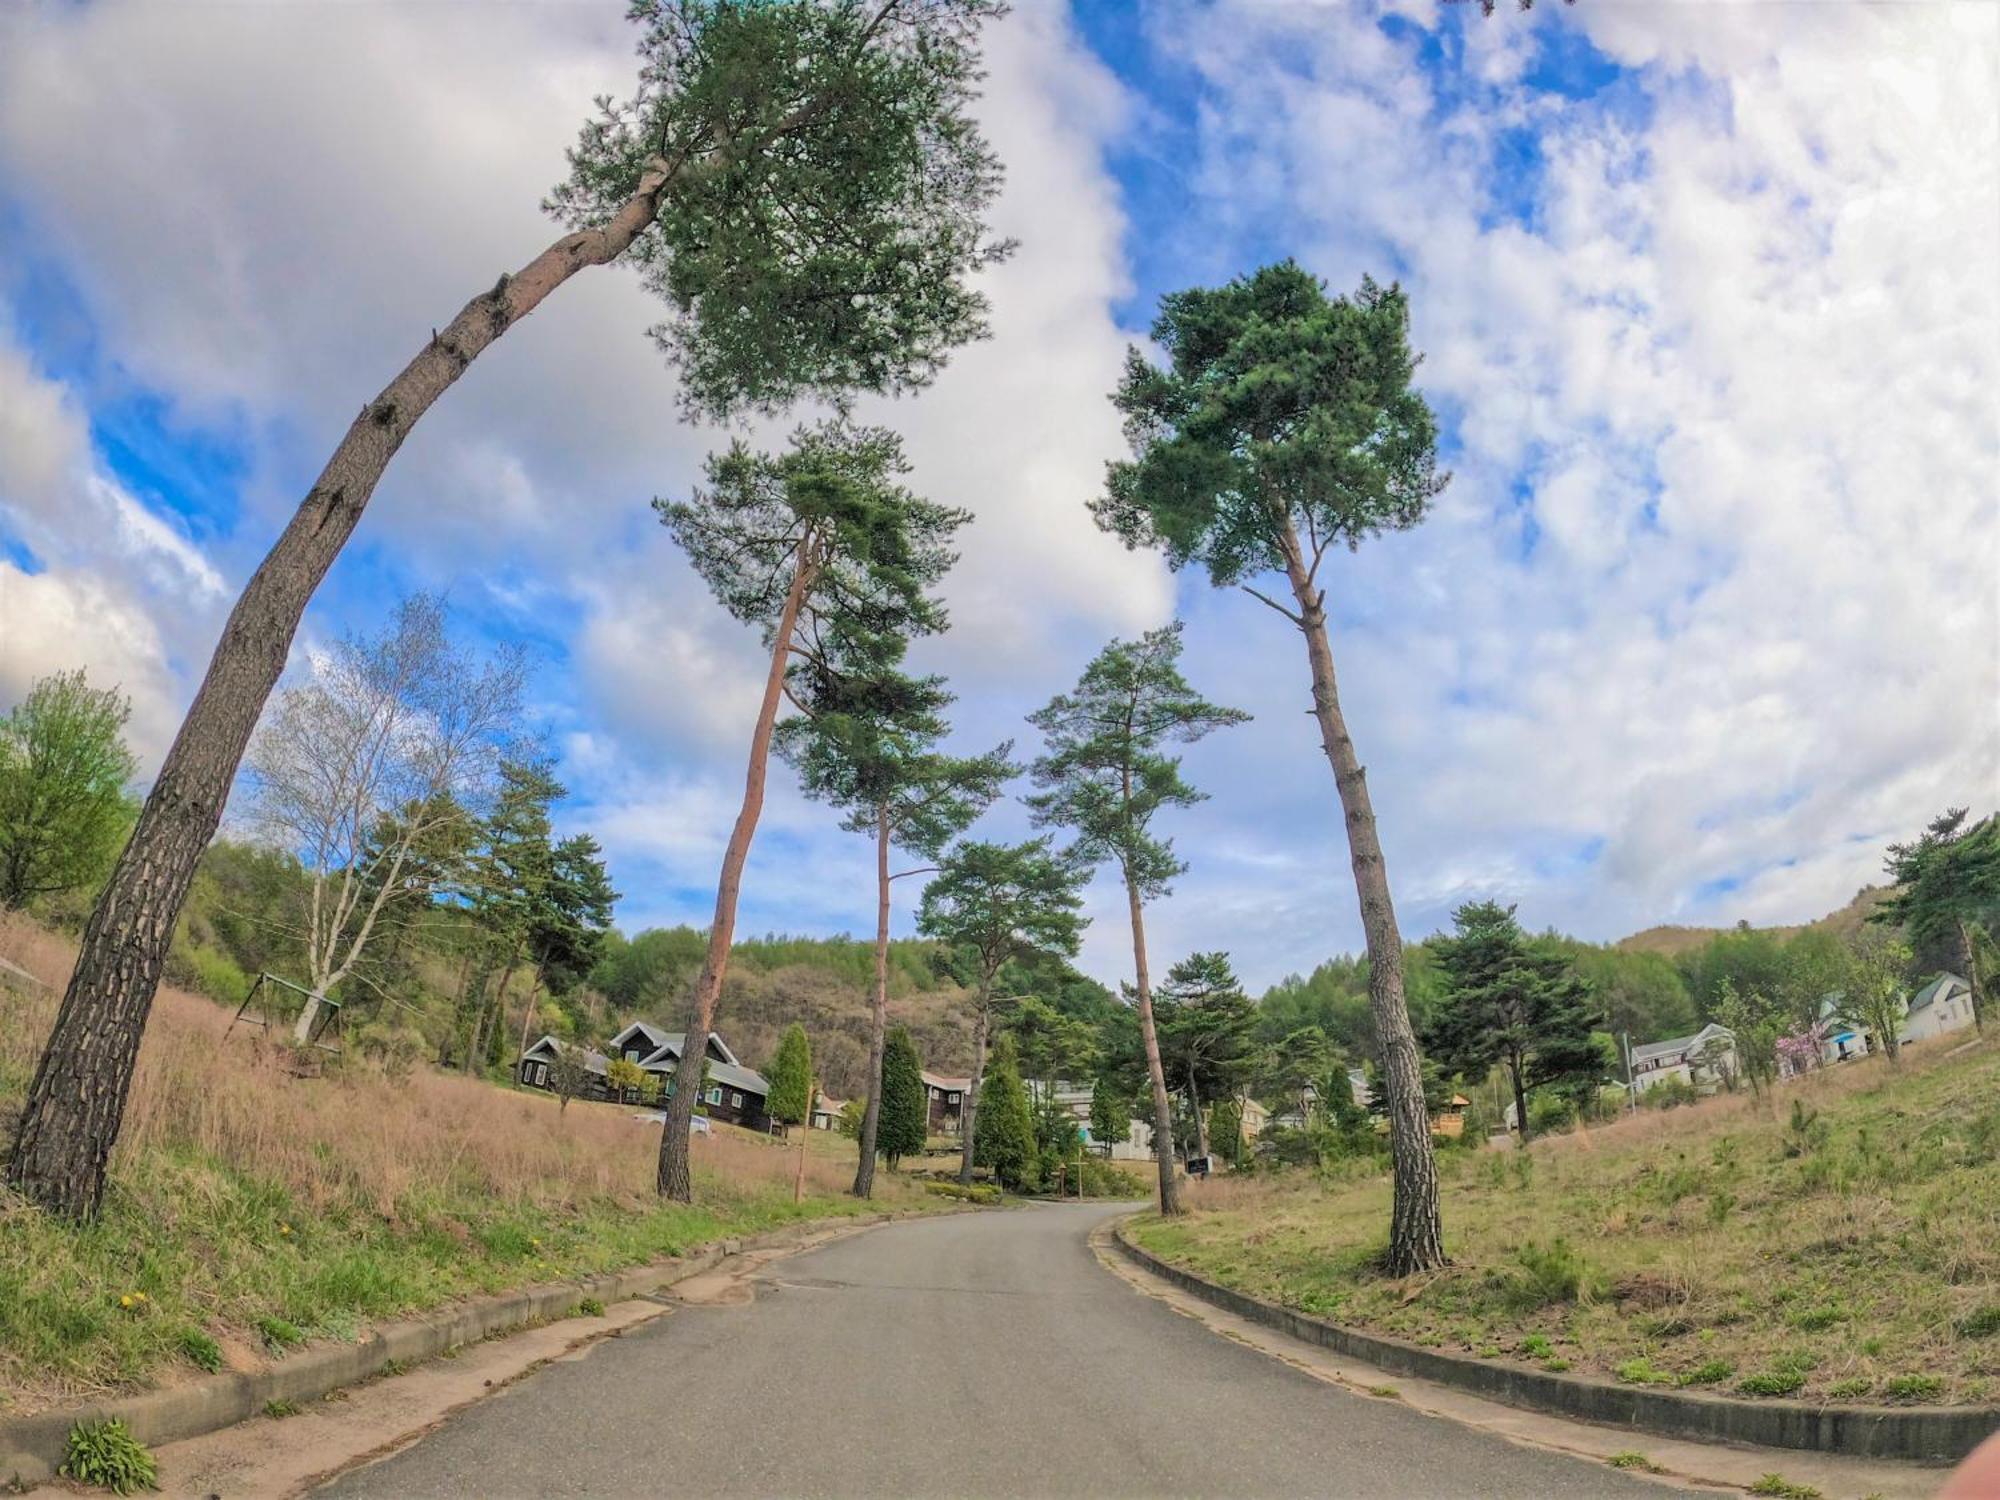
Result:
[
  {"x": 216, "y": 974},
  {"x": 590, "y": 1307},
  {"x": 201, "y": 1351},
  {"x": 1708, "y": 1372},
  {"x": 1537, "y": 1346},
  {"x": 1555, "y": 1273},
  {"x": 1642, "y": 1371},
  {"x": 1772, "y": 1383},
  {"x": 107, "y": 1455},
  {"x": 279, "y": 1334},
  {"x": 1843, "y": 1390},
  {"x": 976, "y": 1192},
  {"x": 1981, "y": 1324},
  {"x": 1912, "y": 1387}
]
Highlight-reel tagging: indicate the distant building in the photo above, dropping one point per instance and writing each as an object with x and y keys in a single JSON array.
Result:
[
  {"x": 734, "y": 1094},
  {"x": 1706, "y": 1060},
  {"x": 944, "y": 1099},
  {"x": 826, "y": 1113},
  {"x": 1939, "y": 1008}
]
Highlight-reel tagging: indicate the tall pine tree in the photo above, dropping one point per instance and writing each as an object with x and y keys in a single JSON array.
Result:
[{"x": 1284, "y": 429}]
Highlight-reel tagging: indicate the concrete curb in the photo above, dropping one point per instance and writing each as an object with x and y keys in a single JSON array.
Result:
[
  {"x": 1926, "y": 1435},
  {"x": 32, "y": 1448}
]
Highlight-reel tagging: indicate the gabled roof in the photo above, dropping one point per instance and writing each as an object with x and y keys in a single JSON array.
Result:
[
  {"x": 747, "y": 1080},
  {"x": 670, "y": 1043},
  {"x": 549, "y": 1046},
  {"x": 950, "y": 1085},
  {"x": 1943, "y": 987},
  {"x": 1647, "y": 1051}
]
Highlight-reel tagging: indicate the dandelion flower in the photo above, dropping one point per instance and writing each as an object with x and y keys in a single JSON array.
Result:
[{"x": 126, "y": 1300}]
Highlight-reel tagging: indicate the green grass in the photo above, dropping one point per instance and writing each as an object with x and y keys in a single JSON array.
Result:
[
  {"x": 1784, "y": 1489},
  {"x": 200, "y": 1243},
  {"x": 1862, "y": 1243},
  {"x": 1639, "y": 1461}
]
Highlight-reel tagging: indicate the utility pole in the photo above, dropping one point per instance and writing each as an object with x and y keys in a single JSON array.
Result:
[
  {"x": 1631, "y": 1084},
  {"x": 805, "y": 1134}
]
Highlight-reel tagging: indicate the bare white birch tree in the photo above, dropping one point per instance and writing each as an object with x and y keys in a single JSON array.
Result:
[{"x": 358, "y": 769}]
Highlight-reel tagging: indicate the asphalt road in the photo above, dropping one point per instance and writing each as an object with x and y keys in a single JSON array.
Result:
[{"x": 983, "y": 1354}]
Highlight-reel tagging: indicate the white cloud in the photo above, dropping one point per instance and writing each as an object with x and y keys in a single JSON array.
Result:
[
  {"x": 114, "y": 588},
  {"x": 1735, "y": 377}
]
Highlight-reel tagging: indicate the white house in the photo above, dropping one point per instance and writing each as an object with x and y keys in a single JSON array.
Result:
[
  {"x": 1705, "y": 1060},
  {"x": 1939, "y": 1008}
]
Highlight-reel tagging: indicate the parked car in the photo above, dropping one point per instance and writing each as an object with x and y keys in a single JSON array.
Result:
[{"x": 697, "y": 1126}]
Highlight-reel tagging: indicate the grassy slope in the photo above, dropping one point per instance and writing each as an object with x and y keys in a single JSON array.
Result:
[
  {"x": 1855, "y": 1259},
  {"x": 249, "y": 1204}
]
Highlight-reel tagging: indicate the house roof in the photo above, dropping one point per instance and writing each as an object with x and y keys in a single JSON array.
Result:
[
  {"x": 1647, "y": 1051},
  {"x": 1943, "y": 987},
  {"x": 745, "y": 1079},
  {"x": 950, "y": 1085},
  {"x": 548, "y": 1046},
  {"x": 670, "y": 1042}
]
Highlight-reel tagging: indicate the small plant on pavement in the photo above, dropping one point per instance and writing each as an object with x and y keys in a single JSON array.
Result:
[
  {"x": 107, "y": 1455},
  {"x": 1631, "y": 1460},
  {"x": 1784, "y": 1489}
]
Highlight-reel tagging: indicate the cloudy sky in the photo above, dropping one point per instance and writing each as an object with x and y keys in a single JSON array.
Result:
[{"x": 1706, "y": 290}]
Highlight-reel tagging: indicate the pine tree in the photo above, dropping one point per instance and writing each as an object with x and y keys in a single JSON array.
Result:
[
  {"x": 866, "y": 740},
  {"x": 904, "y": 1125},
  {"x": 1284, "y": 428},
  {"x": 1105, "y": 775},
  {"x": 998, "y": 904},
  {"x": 1006, "y": 1140},
  {"x": 834, "y": 559},
  {"x": 790, "y": 1077},
  {"x": 1948, "y": 889},
  {"x": 1509, "y": 1002}
]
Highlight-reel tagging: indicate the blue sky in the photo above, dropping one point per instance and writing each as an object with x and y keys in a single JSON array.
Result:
[{"x": 1705, "y": 616}]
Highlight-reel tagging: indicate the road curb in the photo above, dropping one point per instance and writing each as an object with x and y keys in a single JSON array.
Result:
[
  {"x": 32, "y": 1448},
  {"x": 1936, "y": 1435}
]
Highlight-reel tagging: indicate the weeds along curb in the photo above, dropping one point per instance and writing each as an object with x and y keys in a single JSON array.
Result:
[
  {"x": 32, "y": 1448},
  {"x": 1926, "y": 1435}
]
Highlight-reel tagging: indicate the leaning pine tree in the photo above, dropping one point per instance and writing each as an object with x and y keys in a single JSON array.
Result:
[
  {"x": 866, "y": 741},
  {"x": 1283, "y": 426},
  {"x": 803, "y": 184},
  {"x": 1104, "y": 776},
  {"x": 835, "y": 560},
  {"x": 998, "y": 903}
]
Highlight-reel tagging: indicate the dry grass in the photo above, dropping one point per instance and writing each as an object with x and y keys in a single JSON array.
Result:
[
  {"x": 1849, "y": 1251},
  {"x": 243, "y": 1193}
]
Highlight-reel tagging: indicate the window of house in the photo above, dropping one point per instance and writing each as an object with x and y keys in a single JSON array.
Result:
[
  {"x": 951, "y": 1098},
  {"x": 735, "y": 1101},
  {"x": 715, "y": 1096}
]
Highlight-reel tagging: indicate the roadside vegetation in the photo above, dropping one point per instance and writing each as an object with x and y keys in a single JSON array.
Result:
[
  {"x": 1839, "y": 1241},
  {"x": 252, "y": 1210}
]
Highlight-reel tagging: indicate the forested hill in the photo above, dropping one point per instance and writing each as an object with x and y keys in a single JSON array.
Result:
[
  {"x": 1662, "y": 982},
  {"x": 1674, "y": 941}
]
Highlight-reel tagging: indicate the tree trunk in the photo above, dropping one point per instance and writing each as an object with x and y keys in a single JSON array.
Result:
[
  {"x": 77, "y": 1100},
  {"x": 674, "y": 1179},
  {"x": 878, "y": 1025},
  {"x": 528, "y": 1016},
  {"x": 1416, "y": 1234},
  {"x": 1200, "y": 1125},
  {"x": 968, "y": 1116},
  {"x": 1968, "y": 946},
  {"x": 1520, "y": 1100},
  {"x": 1163, "y": 1113}
]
